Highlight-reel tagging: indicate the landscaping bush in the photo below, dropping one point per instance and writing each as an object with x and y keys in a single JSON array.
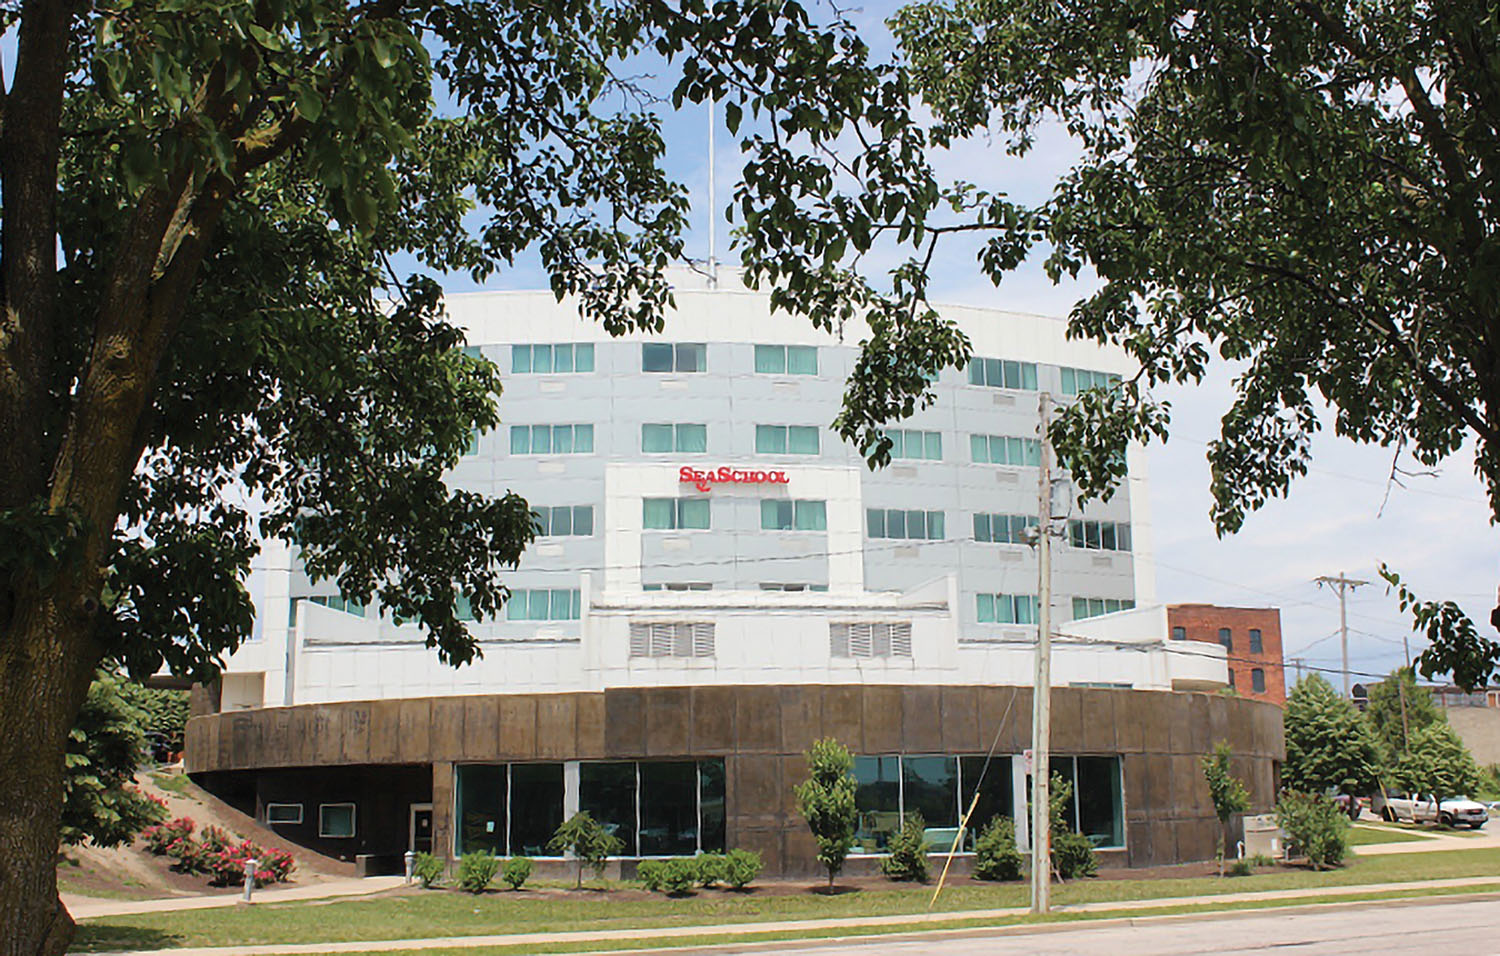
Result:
[
  {"x": 476, "y": 870},
  {"x": 215, "y": 839},
  {"x": 1073, "y": 855},
  {"x": 517, "y": 871},
  {"x": 1316, "y": 826},
  {"x": 1241, "y": 868},
  {"x": 188, "y": 856},
  {"x": 741, "y": 867},
  {"x": 711, "y": 869},
  {"x": 159, "y": 837},
  {"x": 679, "y": 876},
  {"x": 995, "y": 853},
  {"x": 1260, "y": 859},
  {"x": 428, "y": 869},
  {"x": 652, "y": 874},
  {"x": 908, "y": 859},
  {"x": 588, "y": 841},
  {"x": 227, "y": 866}
]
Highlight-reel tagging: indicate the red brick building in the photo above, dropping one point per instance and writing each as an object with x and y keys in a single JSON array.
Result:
[{"x": 1251, "y": 635}]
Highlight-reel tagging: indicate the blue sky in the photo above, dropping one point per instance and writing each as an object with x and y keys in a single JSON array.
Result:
[{"x": 1343, "y": 517}]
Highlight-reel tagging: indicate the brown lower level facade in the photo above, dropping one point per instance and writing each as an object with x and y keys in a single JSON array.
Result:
[{"x": 678, "y": 770}]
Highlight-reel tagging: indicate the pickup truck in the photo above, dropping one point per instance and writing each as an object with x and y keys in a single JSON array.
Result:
[{"x": 1422, "y": 808}]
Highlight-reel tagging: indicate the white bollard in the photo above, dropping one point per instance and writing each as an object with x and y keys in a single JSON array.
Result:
[
  {"x": 250, "y": 867},
  {"x": 411, "y": 864}
]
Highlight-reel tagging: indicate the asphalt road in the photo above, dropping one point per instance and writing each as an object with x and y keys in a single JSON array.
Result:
[{"x": 1468, "y": 927}]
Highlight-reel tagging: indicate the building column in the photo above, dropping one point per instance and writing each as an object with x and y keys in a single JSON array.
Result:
[{"x": 442, "y": 810}]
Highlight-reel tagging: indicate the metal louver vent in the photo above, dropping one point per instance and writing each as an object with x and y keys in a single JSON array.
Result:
[
  {"x": 867, "y": 639},
  {"x": 672, "y": 639}
]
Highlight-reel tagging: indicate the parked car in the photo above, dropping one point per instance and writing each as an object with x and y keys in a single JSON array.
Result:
[
  {"x": 1423, "y": 808},
  {"x": 1349, "y": 804}
]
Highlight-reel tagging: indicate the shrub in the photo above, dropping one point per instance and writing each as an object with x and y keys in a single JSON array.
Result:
[
  {"x": 1241, "y": 868},
  {"x": 711, "y": 867},
  {"x": 1316, "y": 826},
  {"x": 278, "y": 863},
  {"x": 652, "y": 874},
  {"x": 188, "y": 856},
  {"x": 995, "y": 853},
  {"x": 1073, "y": 855},
  {"x": 826, "y": 801},
  {"x": 428, "y": 869},
  {"x": 215, "y": 839},
  {"x": 741, "y": 867},
  {"x": 517, "y": 871},
  {"x": 163, "y": 835},
  {"x": 679, "y": 875},
  {"x": 226, "y": 867},
  {"x": 476, "y": 870},
  {"x": 1260, "y": 859},
  {"x": 908, "y": 859}
]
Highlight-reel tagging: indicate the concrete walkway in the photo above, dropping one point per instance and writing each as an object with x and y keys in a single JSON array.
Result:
[
  {"x": 913, "y": 921},
  {"x": 89, "y": 908},
  {"x": 1432, "y": 841}
]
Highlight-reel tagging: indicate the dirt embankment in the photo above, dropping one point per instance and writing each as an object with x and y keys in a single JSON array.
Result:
[{"x": 130, "y": 872}]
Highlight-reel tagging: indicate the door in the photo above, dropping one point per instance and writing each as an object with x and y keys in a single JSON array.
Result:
[{"x": 419, "y": 834}]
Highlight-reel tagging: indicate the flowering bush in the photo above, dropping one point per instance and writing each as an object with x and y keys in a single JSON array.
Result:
[
  {"x": 161, "y": 836},
  {"x": 226, "y": 867},
  {"x": 215, "y": 839},
  {"x": 187, "y": 856}
]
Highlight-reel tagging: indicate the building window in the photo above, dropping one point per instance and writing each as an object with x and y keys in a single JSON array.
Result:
[
  {"x": 908, "y": 443},
  {"x": 1005, "y": 608},
  {"x": 900, "y": 523},
  {"x": 798, "y": 587},
  {"x": 939, "y": 787},
  {"x": 333, "y": 602},
  {"x": 1002, "y": 373},
  {"x": 552, "y": 359},
  {"x": 1231, "y": 678},
  {"x": 1005, "y": 450},
  {"x": 472, "y": 448},
  {"x": 1096, "y": 810},
  {"x": 336, "y": 820},
  {"x": 1179, "y": 633},
  {"x": 668, "y": 807},
  {"x": 777, "y": 514},
  {"x": 1257, "y": 646},
  {"x": 666, "y": 438},
  {"x": 1099, "y": 535},
  {"x": 283, "y": 814},
  {"x": 1002, "y": 529},
  {"x": 551, "y": 439},
  {"x": 544, "y": 604},
  {"x": 1075, "y": 380},
  {"x": 692, "y": 639},
  {"x": 1226, "y": 637},
  {"x": 786, "y": 439},
  {"x": 678, "y": 586},
  {"x": 786, "y": 359},
  {"x": 1258, "y": 680},
  {"x": 675, "y": 514},
  {"x": 669, "y": 357},
  {"x": 564, "y": 521},
  {"x": 1093, "y": 607},
  {"x": 862, "y": 640}
]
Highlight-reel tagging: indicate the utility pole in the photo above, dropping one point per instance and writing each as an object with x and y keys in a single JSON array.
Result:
[
  {"x": 1343, "y": 583},
  {"x": 1041, "y": 718},
  {"x": 1297, "y": 663}
]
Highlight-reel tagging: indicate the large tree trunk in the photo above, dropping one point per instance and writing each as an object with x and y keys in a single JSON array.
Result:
[{"x": 46, "y": 662}]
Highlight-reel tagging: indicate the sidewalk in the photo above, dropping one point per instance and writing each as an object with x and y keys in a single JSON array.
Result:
[
  {"x": 915, "y": 921},
  {"x": 89, "y": 908}
]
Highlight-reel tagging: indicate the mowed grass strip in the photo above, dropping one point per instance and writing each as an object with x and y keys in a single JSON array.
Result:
[
  {"x": 420, "y": 915},
  {"x": 1366, "y": 835}
]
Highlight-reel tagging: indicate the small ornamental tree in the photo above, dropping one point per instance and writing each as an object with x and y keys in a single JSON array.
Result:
[
  {"x": 1329, "y": 746},
  {"x": 589, "y": 843},
  {"x": 1228, "y": 793},
  {"x": 100, "y": 803},
  {"x": 1437, "y": 763},
  {"x": 826, "y": 801}
]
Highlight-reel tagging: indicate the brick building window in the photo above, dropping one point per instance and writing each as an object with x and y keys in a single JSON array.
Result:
[
  {"x": 1231, "y": 680},
  {"x": 1256, "y": 645},
  {"x": 1179, "y": 633},
  {"x": 1226, "y": 637},
  {"x": 1258, "y": 681}
]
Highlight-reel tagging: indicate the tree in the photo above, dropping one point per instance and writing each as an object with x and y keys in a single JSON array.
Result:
[
  {"x": 826, "y": 801},
  {"x": 1329, "y": 746},
  {"x": 1436, "y": 763},
  {"x": 1303, "y": 189},
  {"x": 198, "y": 305},
  {"x": 588, "y": 842},
  {"x": 1227, "y": 792},
  {"x": 101, "y": 804},
  {"x": 1398, "y": 708}
]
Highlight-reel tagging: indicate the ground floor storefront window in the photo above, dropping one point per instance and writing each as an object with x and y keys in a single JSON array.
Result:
[
  {"x": 941, "y": 787},
  {"x": 655, "y": 808}
]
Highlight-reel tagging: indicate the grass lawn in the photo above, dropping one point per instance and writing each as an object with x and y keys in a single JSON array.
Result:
[
  {"x": 419, "y": 914},
  {"x": 1364, "y": 835}
]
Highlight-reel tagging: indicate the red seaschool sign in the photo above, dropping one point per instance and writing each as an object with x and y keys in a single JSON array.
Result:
[{"x": 705, "y": 479}]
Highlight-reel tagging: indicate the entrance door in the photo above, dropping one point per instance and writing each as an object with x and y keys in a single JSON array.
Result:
[{"x": 419, "y": 839}]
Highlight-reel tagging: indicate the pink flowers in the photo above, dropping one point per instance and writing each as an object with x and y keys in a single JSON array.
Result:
[{"x": 216, "y": 853}]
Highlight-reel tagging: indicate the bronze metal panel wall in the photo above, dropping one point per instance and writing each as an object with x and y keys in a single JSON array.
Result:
[{"x": 761, "y": 731}]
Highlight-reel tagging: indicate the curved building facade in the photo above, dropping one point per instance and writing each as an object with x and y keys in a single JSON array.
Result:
[{"x": 719, "y": 580}]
